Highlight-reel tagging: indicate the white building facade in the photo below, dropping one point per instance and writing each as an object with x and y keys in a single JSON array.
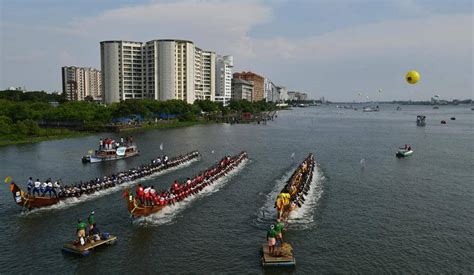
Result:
[
  {"x": 79, "y": 83},
  {"x": 224, "y": 65},
  {"x": 161, "y": 69}
]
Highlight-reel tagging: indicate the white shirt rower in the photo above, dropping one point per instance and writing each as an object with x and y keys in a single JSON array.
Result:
[
  {"x": 50, "y": 184},
  {"x": 44, "y": 185},
  {"x": 37, "y": 184}
]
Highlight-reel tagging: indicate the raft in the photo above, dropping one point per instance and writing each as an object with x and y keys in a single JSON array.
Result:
[
  {"x": 285, "y": 258},
  {"x": 86, "y": 249}
]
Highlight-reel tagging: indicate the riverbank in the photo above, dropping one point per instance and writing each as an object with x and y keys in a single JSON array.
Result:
[{"x": 55, "y": 134}]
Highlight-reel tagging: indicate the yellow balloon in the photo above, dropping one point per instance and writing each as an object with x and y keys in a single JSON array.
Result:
[{"x": 412, "y": 77}]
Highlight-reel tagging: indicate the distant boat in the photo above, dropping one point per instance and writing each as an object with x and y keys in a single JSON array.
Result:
[
  {"x": 401, "y": 153},
  {"x": 399, "y": 108},
  {"x": 371, "y": 109},
  {"x": 420, "y": 120},
  {"x": 436, "y": 107}
]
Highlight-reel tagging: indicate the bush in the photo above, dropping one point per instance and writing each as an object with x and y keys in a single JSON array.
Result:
[{"x": 5, "y": 125}]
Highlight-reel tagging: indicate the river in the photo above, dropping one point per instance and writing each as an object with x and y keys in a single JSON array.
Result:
[{"x": 368, "y": 212}]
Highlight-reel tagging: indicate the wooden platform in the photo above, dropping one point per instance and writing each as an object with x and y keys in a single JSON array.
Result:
[
  {"x": 284, "y": 258},
  {"x": 85, "y": 250}
]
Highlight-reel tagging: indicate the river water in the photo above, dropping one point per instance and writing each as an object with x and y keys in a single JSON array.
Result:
[{"x": 368, "y": 212}]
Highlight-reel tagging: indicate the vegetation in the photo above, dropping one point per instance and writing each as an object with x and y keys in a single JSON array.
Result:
[{"x": 28, "y": 117}]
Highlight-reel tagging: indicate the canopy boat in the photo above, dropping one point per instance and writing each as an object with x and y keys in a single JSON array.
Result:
[
  {"x": 420, "y": 120},
  {"x": 75, "y": 247},
  {"x": 292, "y": 195},
  {"x": 402, "y": 152},
  {"x": 137, "y": 209},
  {"x": 104, "y": 154},
  {"x": 29, "y": 201}
]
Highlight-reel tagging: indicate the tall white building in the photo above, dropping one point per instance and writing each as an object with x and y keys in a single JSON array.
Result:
[
  {"x": 283, "y": 93},
  {"x": 161, "y": 69},
  {"x": 78, "y": 83},
  {"x": 205, "y": 74},
  {"x": 122, "y": 65},
  {"x": 270, "y": 91},
  {"x": 224, "y": 65}
]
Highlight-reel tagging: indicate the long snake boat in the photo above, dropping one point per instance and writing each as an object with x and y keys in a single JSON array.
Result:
[
  {"x": 292, "y": 195},
  {"x": 29, "y": 201},
  {"x": 138, "y": 207}
]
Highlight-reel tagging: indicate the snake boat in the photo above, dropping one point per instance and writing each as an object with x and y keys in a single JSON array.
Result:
[
  {"x": 28, "y": 201},
  {"x": 137, "y": 208}
]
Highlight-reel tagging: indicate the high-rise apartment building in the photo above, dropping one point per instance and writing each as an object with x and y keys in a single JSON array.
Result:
[
  {"x": 258, "y": 84},
  {"x": 161, "y": 69},
  {"x": 122, "y": 65},
  {"x": 79, "y": 83},
  {"x": 224, "y": 65}
]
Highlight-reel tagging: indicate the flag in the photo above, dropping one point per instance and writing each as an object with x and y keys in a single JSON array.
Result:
[
  {"x": 161, "y": 146},
  {"x": 8, "y": 179}
]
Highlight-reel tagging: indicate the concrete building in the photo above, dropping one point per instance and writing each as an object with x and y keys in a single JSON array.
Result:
[
  {"x": 242, "y": 89},
  {"x": 205, "y": 74},
  {"x": 271, "y": 91},
  {"x": 297, "y": 96},
  {"x": 224, "y": 65},
  {"x": 258, "y": 84},
  {"x": 282, "y": 93},
  {"x": 160, "y": 69},
  {"x": 122, "y": 65},
  {"x": 78, "y": 83}
]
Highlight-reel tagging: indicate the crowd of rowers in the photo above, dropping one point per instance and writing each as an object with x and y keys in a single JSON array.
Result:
[
  {"x": 292, "y": 195},
  {"x": 148, "y": 196},
  {"x": 76, "y": 190}
]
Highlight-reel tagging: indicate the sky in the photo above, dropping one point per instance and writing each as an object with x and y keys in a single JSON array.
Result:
[{"x": 335, "y": 49}]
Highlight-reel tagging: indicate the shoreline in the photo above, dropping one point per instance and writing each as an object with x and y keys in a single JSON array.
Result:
[{"x": 6, "y": 141}]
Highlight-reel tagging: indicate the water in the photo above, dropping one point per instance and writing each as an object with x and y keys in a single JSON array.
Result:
[{"x": 367, "y": 212}]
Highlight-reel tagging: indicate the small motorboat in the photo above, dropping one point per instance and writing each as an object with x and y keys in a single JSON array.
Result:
[
  {"x": 420, "y": 120},
  {"x": 436, "y": 107},
  {"x": 443, "y": 121},
  {"x": 75, "y": 247},
  {"x": 402, "y": 152},
  {"x": 399, "y": 108},
  {"x": 453, "y": 118},
  {"x": 371, "y": 109}
]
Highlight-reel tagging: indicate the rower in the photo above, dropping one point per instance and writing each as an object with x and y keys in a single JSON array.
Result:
[
  {"x": 81, "y": 231},
  {"x": 147, "y": 195},
  {"x": 140, "y": 193},
  {"x": 165, "y": 159},
  {"x": 29, "y": 185},
  {"x": 44, "y": 187},
  {"x": 152, "y": 195}
]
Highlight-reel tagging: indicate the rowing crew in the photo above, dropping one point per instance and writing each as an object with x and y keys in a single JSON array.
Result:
[
  {"x": 42, "y": 187},
  {"x": 148, "y": 196},
  {"x": 89, "y": 187}
]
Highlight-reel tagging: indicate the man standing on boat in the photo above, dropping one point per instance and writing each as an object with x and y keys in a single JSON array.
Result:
[
  {"x": 29, "y": 185},
  {"x": 279, "y": 227},
  {"x": 37, "y": 187},
  {"x": 91, "y": 220},
  {"x": 271, "y": 238},
  {"x": 81, "y": 231}
]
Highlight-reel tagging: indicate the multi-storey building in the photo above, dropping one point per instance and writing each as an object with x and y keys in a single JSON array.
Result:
[
  {"x": 224, "y": 65},
  {"x": 242, "y": 89},
  {"x": 205, "y": 74},
  {"x": 79, "y": 83},
  {"x": 271, "y": 91},
  {"x": 258, "y": 84},
  {"x": 282, "y": 93},
  {"x": 122, "y": 65},
  {"x": 158, "y": 69}
]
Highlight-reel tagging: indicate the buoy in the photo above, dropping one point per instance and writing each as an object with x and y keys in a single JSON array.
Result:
[{"x": 412, "y": 77}]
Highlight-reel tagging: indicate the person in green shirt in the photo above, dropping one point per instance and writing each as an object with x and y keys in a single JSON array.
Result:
[
  {"x": 271, "y": 238},
  {"x": 81, "y": 231},
  {"x": 91, "y": 220},
  {"x": 279, "y": 228}
]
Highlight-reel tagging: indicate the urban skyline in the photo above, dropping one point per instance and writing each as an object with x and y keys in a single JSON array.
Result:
[{"x": 317, "y": 51}]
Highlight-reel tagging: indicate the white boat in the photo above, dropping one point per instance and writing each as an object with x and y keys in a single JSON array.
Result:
[
  {"x": 111, "y": 154},
  {"x": 371, "y": 109},
  {"x": 404, "y": 153}
]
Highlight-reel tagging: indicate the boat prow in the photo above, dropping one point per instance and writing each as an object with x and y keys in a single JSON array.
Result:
[
  {"x": 84, "y": 250},
  {"x": 27, "y": 201},
  {"x": 283, "y": 256}
]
